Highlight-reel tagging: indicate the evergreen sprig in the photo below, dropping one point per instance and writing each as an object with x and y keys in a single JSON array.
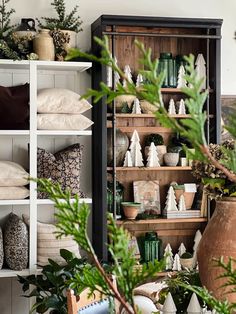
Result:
[
  {"x": 5, "y": 27},
  {"x": 72, "y": 219},
  {"x": 63, "y": 21}
]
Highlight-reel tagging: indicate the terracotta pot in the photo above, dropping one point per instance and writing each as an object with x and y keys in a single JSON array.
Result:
[
  {"x": 130, "y": 209},
  {"x": 122, "y": 144},
  {"x": 188, "y": 197},
  {"x": 219, "y": 239}
]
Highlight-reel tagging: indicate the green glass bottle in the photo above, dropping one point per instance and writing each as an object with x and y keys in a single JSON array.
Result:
[
  {"x": 151, "y": 247},
  {"x": 119, "y": 197}
]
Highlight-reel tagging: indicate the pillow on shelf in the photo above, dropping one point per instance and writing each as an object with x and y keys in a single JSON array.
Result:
[
  {"x": 61, "y": 121},
  {"x": 14, "y": 107},
  {"x": 16, "y": 243},
  {"x": 60, "y": 100},
  {"x": 13, "y": 192},
  {"x": 48, "y": 246},
  {"x": 12, "y": 174},
  {"x": 1, "y": 249},
  {"x": 62, "y": 167}
]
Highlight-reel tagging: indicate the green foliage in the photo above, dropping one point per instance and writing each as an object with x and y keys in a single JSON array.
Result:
[
  {"x": 157, "y": 139},
  {"x": 7, "y": 51},
  {"x": 186, "y": 255},
  {"x": 72, "y": 219},
  {"x": 5, "y": 27},
  {"x": 126, "y": 108},
  {"x": 49, "y": 287},
  {"x": 63, "y": 21}
]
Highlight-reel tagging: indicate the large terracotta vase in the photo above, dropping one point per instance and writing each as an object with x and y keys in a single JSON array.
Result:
[{"x": 219, "y": 239}]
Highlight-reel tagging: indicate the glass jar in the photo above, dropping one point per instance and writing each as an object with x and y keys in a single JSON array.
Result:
[
  {"x": 152, "y": 247},
  {"x": 163, "y": 66},
  {"x": 119, "y": 197}
]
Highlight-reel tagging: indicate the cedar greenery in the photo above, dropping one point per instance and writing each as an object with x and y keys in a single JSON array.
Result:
[
  {"x": 72, "y": 219},
  {"x": 5, "y": 27},
  {"x": 63, "y": 21}
]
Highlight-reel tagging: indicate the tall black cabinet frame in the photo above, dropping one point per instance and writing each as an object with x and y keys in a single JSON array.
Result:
[{"x": 106, "y": 25}]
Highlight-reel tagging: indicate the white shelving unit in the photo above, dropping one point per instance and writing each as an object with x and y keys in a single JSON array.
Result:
[{"x": 14, "y": 146}]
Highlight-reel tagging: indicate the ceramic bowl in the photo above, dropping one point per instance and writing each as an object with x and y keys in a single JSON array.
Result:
[
  {"x": 131, "y": 209},
  {"x": 171, "y": 159}
]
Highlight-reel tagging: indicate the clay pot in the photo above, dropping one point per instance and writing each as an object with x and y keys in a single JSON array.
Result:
[
  {"x": 73, "y": 39},
  {"x": 122, "y": 145},
  {"x": 171, "y": 159},
  {"x": 219, "y": 239},
  {"x": 186, "y": 263},
  {"x": 147, "y": 107},
  {"x": 120, "y": 100},
  {"x": 188, "y": 197},
  {"x": 130, "y": 209},
  {"x": 43, "y": 45}
]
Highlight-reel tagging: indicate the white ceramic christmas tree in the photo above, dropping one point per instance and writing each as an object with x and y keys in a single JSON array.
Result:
[
  {"x": 153, "y": 160},
  {"x": 128, "y": 160},
  {"x": 171, "y": 108},
  {"x": 139, "y": 80},
  {"x": 135, "y": 150},
  {"x": 116, "y": 77},
  {"x": 169, "y": 305},
  {"x": 194, "y": 306},
  {"x": 136, "y": 107},
  {"x": 181, "y": 80},
  {"x": 176, "y": 263},
  {"x": 182, "y": 109},
  {"x": 201, "y": 69},
  {"x": 168, "y": 255},
  {"x": 181, "y": 204},
  {"x": 171, "y": 200},
  {"x": 182, "y": 249},
  {"x": 128, "y": 74},
  {"x": 197, "y": 239}
]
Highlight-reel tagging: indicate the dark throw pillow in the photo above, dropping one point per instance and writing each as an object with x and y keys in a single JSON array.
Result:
[
  {"x": 16, "y": 243},
  {"x": 63, "y": 167},
  {"x": 14, "y": 107}
]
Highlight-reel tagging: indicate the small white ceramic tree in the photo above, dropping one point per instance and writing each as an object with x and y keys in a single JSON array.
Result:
[
  {"x": 168, "y": 255},
  {"x": 182, "y": 109},
  {"x": 197, "y": 239},
  {"x": 139, "y": 80},
  {"x": 181, "y": 204},
  {"x": 128, "y": 160},
  {"x": 116, "y": 76},
  {"x": 136, "y": 107},
  {"x": 181, "y": 80},
  {"x": 153, "y": 160},
  {"x": 171, "y": 108},
  {"x": 128, "y": 74},
  {"x": 194, "y": 306},
  {"x": 176, "y": 263},
  {"x": 169, "y": 305},
  {"x": 135, "y": 150},
  {"x": 182, "y": 249},
  {"x": 201, "y": 69},
  {"x": 171, "y": 200}
]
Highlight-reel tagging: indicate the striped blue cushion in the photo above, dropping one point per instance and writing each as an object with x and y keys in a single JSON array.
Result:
[{"x": 101, "y": 307}]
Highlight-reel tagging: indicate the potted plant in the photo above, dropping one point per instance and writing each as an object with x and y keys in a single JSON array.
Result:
[
  {"x": 158, "y": 140},
  {"x": 69, "y": 24},
  {"x": 186, "y": 260}
]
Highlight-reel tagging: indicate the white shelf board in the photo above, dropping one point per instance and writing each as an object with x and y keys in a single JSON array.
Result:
[
  {"x": 63, "y": 132},
  {"x": 14, "y": 64},
  {"x": 14, "y": 132},
  {"x": 7, "y": 273},
  {"x": 63, "y": 65},
  {"x": 14, "y": 202},
  {"x": 49, "y": 202}
]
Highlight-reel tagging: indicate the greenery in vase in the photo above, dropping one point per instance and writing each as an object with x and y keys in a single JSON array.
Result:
[
  {"x": 191, "y": 128},
  {"x": 72, "y": 219},
  {"x": 50, "y": 285},
  {"x": 63, "y": 21},
  {"x": 157, "y": 139},
  {"x": 5, "y": 21}
]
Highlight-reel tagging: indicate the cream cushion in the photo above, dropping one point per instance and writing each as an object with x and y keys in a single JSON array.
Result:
[
  {"x": 60, "y": 100},
  {"x": 13, "y": 192},
  {"x": 63, "y": 122},
  {"x": 12, "y": 174}
]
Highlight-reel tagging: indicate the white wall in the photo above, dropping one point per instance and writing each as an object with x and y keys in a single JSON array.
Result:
[{"x": 89, "y": 10}]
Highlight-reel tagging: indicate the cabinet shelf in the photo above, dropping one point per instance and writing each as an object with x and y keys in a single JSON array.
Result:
[
  {"x": 150, "y": 115},
  {"x": 14, "y": 132},
  {"x": 143, "y": 129},
  {"x": 64, "y": 132},
  {"x": 14, "y": 202},
  {"x": 161, "y": 221},
  {"x": 8, "y": 273},
  {"x": 164, "y": 168},
  {"x": 50, "y": 202},
  {"x": 171, "y": 90}
]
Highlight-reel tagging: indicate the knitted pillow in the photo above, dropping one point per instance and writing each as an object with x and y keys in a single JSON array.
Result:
[
  {"x": 62, "y": 167},
  {"x": 16, "y": 243},
  {"x": 14, "y": 107}
]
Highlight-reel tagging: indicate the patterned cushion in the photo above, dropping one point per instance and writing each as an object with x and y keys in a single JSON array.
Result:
[
  {"x": 101, "y": 307},
  {"x": 62, "y": 167},
  {"x": 16, "y": 243}
]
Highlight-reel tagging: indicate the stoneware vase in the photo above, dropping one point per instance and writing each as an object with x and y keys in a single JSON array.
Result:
[
  {"x": 43, "y": 45},
  {"x": 122, "y": 144},
  {"x": 219, "y": 239}
]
